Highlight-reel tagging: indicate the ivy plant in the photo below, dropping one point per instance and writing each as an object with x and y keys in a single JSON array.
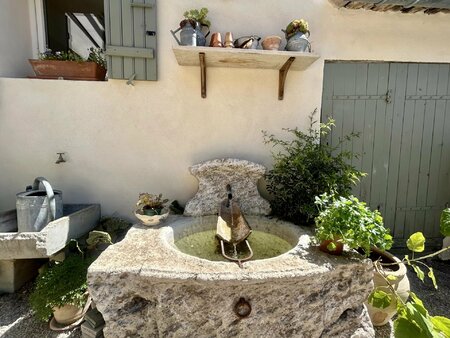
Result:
[
  {"x": 304, "y": 168},
  {"x": 413, "y": 319}
]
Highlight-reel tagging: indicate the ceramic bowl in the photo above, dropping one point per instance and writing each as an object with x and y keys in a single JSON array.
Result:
[
  {"x": 271, "y": 43},
  {"x": 152, "y": 220}
]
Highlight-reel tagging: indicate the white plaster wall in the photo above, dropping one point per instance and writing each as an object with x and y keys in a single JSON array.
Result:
[
  {"x": 121, "y": 140},
  {"x": 15, "y": 38}
]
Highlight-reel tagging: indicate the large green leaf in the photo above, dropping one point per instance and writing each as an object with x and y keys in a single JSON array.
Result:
[
  {"x": 442, "y": 324},
  {"x": 403, "y": 328},
  {"x": 445, "y": 222},
  {"x": 416, "y": 242}
]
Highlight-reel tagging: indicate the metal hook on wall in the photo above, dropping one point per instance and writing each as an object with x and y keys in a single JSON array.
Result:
[
  {"x": 60, "y": 158},
  {"x": 131, "y": 79}
]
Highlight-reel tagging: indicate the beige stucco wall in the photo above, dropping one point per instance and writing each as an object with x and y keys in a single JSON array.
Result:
[
  {"x": 15, "y": 38},
  {"x": 121, "y": 140}
]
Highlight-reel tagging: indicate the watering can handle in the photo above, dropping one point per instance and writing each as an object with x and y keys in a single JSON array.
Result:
[
  {"x": 174, "y": 35},
  {"x": 50, "y": 194}
]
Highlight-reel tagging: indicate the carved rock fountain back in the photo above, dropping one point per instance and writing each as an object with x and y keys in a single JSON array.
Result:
[{"x": 146, "y": 287}]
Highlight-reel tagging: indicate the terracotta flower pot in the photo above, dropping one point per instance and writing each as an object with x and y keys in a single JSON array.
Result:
[
  {"x": 68, "y": 70},
  {"x": 401, "y": 285},
  {"x": 67, "y": 314},
  {"x": 339, "y": 247}
]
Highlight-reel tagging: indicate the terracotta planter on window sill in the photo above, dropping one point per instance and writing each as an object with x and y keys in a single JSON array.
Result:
[{"x": 68, "y": 70}]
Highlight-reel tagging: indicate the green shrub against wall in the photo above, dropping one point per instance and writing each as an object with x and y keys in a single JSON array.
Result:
[{"x": 304, "y": 168}]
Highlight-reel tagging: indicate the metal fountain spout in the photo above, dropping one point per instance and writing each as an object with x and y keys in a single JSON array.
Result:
[{"x": 232, "y": 228}]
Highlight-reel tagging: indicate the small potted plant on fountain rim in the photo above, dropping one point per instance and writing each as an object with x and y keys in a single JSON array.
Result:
[
  {"x": 346, "y": 220},
  {"x": 151, "y": 209}
]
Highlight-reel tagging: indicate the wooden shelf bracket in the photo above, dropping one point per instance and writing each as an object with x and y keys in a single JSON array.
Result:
[
  {"x": 203, "y": 73},
  {"x": 282, "y": 77}
]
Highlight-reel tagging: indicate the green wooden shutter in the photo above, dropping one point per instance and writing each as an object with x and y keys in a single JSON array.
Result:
[{"x": 131, "y": 39}]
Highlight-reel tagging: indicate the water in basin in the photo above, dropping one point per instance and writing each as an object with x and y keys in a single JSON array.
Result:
[{"x": 204, "y": 244}]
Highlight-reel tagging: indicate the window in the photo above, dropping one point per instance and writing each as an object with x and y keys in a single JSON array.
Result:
[{"x": 125, "y": 29}]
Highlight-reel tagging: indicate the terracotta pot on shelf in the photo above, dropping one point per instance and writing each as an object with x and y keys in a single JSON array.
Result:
[
  {"x": 68, "y": 70},
  {"x": 271, "y": 43}
]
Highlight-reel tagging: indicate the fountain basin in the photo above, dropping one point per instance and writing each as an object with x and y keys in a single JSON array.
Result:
[{"x": 146, "y": 287}]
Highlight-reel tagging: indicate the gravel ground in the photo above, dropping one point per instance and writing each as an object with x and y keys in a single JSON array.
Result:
[{"x": 17, "y": 320}]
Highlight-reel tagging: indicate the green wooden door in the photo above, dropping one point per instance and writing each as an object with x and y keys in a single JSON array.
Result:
[{"x": 402, "y": 111}]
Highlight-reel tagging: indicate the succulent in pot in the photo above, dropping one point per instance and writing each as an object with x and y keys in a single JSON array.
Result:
[
  {"x": 192, "y": 28},
  {"x": 295, "y": 26},
  {"x": 346, "y": 220},
  {"x": 297, "y": 34},
  {"x": 151, "y": 205}
]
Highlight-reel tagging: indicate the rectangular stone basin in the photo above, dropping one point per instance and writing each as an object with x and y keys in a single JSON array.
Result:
[{"x": 77, "y": 220}]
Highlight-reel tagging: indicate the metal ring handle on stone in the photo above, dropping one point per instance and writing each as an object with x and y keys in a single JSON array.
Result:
[{"x": 49, "y": 192}]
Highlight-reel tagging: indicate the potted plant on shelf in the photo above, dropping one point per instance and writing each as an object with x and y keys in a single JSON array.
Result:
[
  {"x": 70, "y": 66},
  {"x": 61, "y": 290},
  {"x": 151, "y": 209},
  {"x": 297, "y": 34},
  {"x": 192, "y": 28},
  {"x": 346, "y": 220}
]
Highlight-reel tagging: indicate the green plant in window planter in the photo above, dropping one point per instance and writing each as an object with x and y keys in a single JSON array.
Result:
[
  {"x": 413, "y": 319},
  {"x": 304, "y": 168},
  {"x": 346, "y": 220},
  {"x": 70, "y": 66}
]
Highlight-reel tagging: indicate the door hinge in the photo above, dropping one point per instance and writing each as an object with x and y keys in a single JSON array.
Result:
[{"x": 388, "y": 96}]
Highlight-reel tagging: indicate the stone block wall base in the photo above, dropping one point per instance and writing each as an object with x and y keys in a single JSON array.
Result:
[{"x": 16, "y": 272}]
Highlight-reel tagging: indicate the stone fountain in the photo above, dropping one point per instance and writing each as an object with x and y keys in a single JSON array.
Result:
[{"x": 147, "y": 286}]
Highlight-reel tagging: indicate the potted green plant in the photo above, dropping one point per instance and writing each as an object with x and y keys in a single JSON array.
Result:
[
  {"x": 192, "y": 28},
  {"x": 346, "y": 220},
  {"x": 151, "y": 209},
  {"x": 61, "y": 290},
  {"x": 305, "y": 167},
  {"x": 70, "y": 66},
  {"x": 388, "y": 298}
]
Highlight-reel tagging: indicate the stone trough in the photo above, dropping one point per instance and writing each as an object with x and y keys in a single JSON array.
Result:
[
  {"x": 145, "y": 286},
  {"x": 21, "y": 253}
]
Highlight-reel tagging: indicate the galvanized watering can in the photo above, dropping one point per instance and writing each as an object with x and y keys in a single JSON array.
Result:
[
  {"x": 189, "y": 35},
  {"x": 36, "y": 208}
]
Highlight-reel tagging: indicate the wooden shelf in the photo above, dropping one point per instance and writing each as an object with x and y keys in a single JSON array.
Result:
[{"x": 243, "y": 58}]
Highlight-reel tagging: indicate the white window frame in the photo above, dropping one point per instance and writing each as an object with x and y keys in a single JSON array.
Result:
[{"x": 37, "y": 26}]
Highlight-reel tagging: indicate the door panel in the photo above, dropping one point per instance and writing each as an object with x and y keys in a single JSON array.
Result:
[{"x": 401, "y": 112}]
